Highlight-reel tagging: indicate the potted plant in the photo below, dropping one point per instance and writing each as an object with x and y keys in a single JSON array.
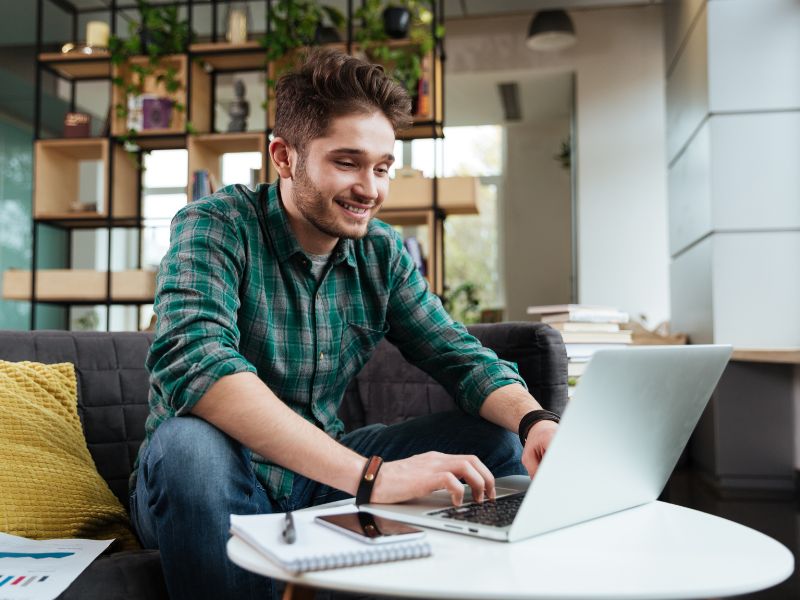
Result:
[
  {"x": 299, "y": 23},
  {"x": 396, "y": 20},
  {"x": 159, "y": 33},
  {"x": 462, "y": 303},
  {"x": 379, "y": 24}
]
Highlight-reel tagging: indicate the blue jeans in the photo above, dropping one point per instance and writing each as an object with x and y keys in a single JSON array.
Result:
[{"x": 192, "y": 477}]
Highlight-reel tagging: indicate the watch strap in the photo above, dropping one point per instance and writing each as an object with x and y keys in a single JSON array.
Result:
[{"x": 368, "y": 477}]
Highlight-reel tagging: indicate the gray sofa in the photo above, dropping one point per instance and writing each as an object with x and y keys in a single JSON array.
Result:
[{"x": 112, "y": 402}]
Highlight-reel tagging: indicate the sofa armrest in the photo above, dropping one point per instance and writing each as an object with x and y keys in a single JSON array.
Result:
[{"x": 390, "y": 390}]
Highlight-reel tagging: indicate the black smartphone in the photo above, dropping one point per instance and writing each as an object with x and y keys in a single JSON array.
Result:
[{"x": 369, "y": 528}]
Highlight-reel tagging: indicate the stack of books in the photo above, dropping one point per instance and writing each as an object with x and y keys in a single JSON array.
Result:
[{"x": 585, "y": 329}]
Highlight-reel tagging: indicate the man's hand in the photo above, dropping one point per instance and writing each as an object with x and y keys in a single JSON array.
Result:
[
  {"x": 419, "y": 475},
  {"x": 536, "y": 444}
]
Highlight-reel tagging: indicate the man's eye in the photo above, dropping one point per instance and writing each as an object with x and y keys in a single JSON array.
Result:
[
  {"x": 345, "y": 163},
  {"x": 382, "y": 171}
]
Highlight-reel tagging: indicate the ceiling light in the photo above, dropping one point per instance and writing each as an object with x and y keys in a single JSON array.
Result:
[{"x": 551, "y": 30}]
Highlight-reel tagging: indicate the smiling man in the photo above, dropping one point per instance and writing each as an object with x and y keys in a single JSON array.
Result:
[{"x": 268, "y": 303}]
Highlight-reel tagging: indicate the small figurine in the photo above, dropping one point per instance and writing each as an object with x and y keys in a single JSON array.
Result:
[{"x": 239, "y": 109}]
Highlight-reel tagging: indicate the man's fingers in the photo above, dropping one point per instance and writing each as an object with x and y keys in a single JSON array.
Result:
[
  {"x": 474, "y": 479},
  {"x": 487, "y": 476},
  {"x": 451, "y": 483}
]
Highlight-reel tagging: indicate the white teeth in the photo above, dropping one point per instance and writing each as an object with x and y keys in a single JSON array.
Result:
[{"x": 354, "y": 209}]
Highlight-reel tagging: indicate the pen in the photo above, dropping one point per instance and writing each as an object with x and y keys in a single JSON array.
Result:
[{"x": 289, "y": 532}]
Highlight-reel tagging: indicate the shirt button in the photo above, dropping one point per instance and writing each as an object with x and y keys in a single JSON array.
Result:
[{"x": 322, "y": 356}]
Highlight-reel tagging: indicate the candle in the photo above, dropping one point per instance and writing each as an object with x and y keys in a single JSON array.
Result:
[
  {"x": 97, "y": 34},
  {"x": 237, "y": 26}
]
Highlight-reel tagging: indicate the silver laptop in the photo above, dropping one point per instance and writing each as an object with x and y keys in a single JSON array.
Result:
[{"x": 619, "y": 440}]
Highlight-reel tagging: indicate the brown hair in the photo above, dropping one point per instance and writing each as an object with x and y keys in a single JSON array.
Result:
[{"x": 332, "y": 84}]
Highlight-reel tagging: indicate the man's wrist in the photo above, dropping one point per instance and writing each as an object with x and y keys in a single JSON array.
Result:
[
  {"x": 532, "y": 418},
  {"x": 367, "y": 481}
]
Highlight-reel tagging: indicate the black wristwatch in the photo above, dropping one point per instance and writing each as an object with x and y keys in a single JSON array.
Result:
[{"x": 531, "y": 419}]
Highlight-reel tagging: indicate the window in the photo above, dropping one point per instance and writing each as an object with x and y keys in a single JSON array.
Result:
[{"x": 471, "y": 242}]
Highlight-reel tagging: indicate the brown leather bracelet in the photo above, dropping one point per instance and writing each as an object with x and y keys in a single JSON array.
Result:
[
  {"x": 368, "y": 477},
  {"x": 531, "y": 419}
]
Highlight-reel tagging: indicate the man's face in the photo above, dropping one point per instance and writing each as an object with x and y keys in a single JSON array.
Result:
[{"x": 343, "y": 178}]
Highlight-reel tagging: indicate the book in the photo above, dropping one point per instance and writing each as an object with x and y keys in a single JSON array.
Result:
[
  {"x": 576, "y": 369},
  {"x": 581, "y": 352},
  {"x": 317, "y": 547},
  {"x": 201, "y": 184},
  {"x": 597, "y": 337},
  {"x": 415, "y": 251},
  {"x": 556, "y": 313},
  {"x": 585, "y": 317},
  {"x": 584, "y": 327}
]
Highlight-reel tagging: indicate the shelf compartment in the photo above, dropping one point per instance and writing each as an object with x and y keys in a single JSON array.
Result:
[
  {"x": 427, "y": 124},
  {"x": 56, "y": 180},
  {"x": 80, "y": 285},
  {"x": 206, "y": 150},
  {"x": 151, "y": 86},
  {"x": 221, "y": 56},
  {"x": 292, "y": 60},
  {"x": 456, "y": 195},
  {"x": 78, "y": 66},
  {"x": 434, "y": 237},
  {"x": 429, "y": 113}
]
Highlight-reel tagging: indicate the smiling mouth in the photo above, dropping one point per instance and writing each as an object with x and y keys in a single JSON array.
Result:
[{"x": 356, "y": 210}]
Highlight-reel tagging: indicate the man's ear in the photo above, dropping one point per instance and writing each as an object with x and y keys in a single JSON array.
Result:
[{"x": 281, "y": 154}]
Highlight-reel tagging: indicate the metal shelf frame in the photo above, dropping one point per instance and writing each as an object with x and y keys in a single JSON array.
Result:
[{"x": 50, "y": 64}]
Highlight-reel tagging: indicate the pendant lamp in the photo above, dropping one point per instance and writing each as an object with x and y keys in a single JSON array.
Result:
[{"x": 551, "y": 30}]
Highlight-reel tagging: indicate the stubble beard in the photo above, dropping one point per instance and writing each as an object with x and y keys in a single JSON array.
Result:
[{"x": 316, "y": 209}]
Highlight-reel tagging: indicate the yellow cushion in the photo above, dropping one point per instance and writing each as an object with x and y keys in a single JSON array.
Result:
[{"x": 49, "y": 486}]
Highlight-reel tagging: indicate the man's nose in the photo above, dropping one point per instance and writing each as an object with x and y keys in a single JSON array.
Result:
[{"x": 367, "y": 186}]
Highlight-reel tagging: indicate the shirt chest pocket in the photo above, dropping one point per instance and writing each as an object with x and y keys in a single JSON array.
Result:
[{"x": 358, "y": 342}]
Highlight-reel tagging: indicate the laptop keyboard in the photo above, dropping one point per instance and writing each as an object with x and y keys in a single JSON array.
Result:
[{"x": 498, "y": 513}]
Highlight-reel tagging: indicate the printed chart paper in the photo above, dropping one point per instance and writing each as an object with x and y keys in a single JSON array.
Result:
[{"x": 42, "y": 569}]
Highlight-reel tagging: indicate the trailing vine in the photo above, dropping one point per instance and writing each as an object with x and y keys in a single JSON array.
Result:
[
  {"x": 404, "y": 64},
  {"x": 295, "y": 24},
  {"x": 159, "y": 33}
]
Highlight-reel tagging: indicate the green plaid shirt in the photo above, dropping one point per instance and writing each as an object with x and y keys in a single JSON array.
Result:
[{"x": 235, "y": 293}]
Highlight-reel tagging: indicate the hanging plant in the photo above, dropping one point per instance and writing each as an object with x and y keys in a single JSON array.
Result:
[
  {"x": 159, "y": 33},
  {"x": 297, "y": 24},
  {"x": 403, "y": 63}
]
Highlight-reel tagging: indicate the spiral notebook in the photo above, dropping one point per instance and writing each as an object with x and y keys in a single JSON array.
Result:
[{"x": 318, "y": 547}]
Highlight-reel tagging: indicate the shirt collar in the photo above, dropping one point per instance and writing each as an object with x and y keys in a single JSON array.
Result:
[{"x": 283, "y": 238}]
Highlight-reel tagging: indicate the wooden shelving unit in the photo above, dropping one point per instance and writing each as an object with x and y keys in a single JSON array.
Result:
[
  {"x": 151, "y": 85},
  {"x": 57, "y": 189},
  {"x": 81, "y": 286},
  {"x": 56, "y": 184},
  {"x": 78, "y": 66},
  {"x": 206, "y": 150}
]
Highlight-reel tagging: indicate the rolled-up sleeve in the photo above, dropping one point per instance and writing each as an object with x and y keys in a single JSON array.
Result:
[
  {"x": 197, "y": 301},
  {"x": 428, "y": 337}
]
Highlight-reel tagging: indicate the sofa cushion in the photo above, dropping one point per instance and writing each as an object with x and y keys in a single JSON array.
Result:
[{"x": 49, "y": 487}]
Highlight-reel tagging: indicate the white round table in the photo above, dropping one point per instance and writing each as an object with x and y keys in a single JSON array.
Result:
[{"x": 655, "y": 551}]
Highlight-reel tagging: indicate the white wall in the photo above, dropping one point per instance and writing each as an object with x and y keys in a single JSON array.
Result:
[
  {"x": 536, "y": 257},
  {"x": 733, "y": 114},
  {"x": 620, "y": 136}
]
